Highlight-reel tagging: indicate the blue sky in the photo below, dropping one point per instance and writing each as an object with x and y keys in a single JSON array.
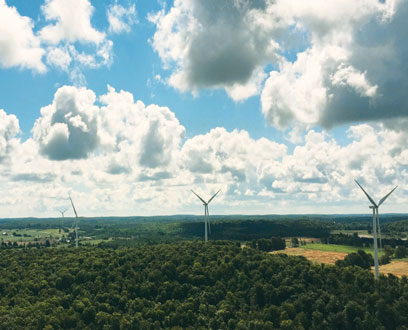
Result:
[{"x": 127, "y": 105}]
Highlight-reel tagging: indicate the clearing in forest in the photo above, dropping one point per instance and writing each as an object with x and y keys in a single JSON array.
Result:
[{"x": 326, "y": 257}]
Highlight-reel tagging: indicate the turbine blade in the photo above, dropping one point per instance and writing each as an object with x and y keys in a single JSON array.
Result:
[
  {"x": 382, "y": 200},
  {"x": 213, "y": 196},
  {"x": 368, "y": 196},
  {"x": 199, "y": 197},
  {"x": 72, "y": 203}
]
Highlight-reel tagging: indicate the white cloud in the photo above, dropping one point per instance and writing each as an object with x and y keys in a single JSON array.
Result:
[
  {"x": 73, "y": 43},
  {"x": 355, "y": 79},
  {"x": 9, "y": 128},
  {"x": 295, "y": 93},
  {"x": 124, "y": 157},
  {"x": 19, "y": 46},
  {"x": 72, "y": 22},
  {"x": 329, "y": 62},
  {"x": 73, "y": 127},
  {"x": 120, "y": 18},
  {"x": 68, "y": 40},
  {"x": 195, "y": 39},
  {"x": 59, "y": 57},
  {"x": 151, "y": 133},
  {"x": 68, "y": 128}
]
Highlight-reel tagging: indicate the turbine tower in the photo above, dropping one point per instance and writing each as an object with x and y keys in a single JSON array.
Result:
[
  {"x": 376, "y": 223},
  {"x": 206, "y": 214},
  {"x": 76, "y": 222}
]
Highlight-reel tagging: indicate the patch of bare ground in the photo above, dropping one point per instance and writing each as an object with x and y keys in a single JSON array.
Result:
[
  {"x": 325, "y": 257},
  {"x": 395, "y": 267}
]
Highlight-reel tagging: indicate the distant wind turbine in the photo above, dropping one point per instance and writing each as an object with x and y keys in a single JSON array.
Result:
[
  {"x": 376, "y": 223},
  {"x": 62, "y": 217},
  {"x": 206, "y": 213},
  {"x": 76, "y": 222}
]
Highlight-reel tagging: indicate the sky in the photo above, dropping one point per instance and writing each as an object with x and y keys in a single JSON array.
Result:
[{"x": 128, "y": 105}]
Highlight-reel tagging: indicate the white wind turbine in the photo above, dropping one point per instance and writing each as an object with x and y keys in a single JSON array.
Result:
[
  {"x": 206, "y": 214},
  {"x": 376, "y": 223},
  {"x": 76, "y": 222},
  {"x": 62, "y": 217}
]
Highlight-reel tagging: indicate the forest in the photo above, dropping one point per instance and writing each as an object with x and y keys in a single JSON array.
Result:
[{"x": 191, "y": 285}]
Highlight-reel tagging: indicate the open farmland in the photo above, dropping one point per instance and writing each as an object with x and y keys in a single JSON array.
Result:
[
  {"x": 396, "y": 267},
  {"x": 326, "y": 257},
  {"x": 337, "y": 248},
  {"x": 31, "y": 235},
  {"x": 329, "y": 254}
]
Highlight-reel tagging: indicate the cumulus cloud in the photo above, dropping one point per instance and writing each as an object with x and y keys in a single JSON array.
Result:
[
  {"x": 329, "y": 62},
  {"x": 232, "y": 159},
  {"x": 74, "y": 127},
  {"x": 9, "y": 128},
  {"x": 72, "y": 22},
  {"x": 68, "y": 128},
  {"x": 116, "y": 155},
  {"x": 72, "y": 43},
  {"x": 121, "y": 18},
  {"x": 19, "y": 46},
  {"x": 256, "y": 176},
  {"x": 195, "y": 39},
  {"x": 151, "y": 133}
]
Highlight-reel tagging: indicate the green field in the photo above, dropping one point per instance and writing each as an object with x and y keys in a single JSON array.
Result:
[
  {"x": 31, "y": 235},
  {"x": 338, "y": 248},
  {"x": 349, "y": 232},
  {"x": 96, "y": 241}
]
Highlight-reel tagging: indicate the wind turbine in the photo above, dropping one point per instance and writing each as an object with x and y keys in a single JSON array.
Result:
[
  {"x": 376, "y": 223},
  {"x": 206, "y": 213},
  {"x": 76, "y": 222},
  {"x": 62, "y": 217}
]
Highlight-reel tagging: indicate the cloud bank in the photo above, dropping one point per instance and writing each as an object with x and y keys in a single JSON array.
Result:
[{"x": 117, "y": 155}]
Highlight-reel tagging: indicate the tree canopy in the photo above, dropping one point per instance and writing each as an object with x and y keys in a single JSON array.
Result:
[{"x": 191, "y": 285}]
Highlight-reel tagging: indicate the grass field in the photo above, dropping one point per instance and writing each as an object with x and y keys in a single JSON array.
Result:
[
  {"x": 325, "y": 257},
  {"x": 31, "y": 235},
  {"x": 96, "y": 241},
  {"x": 337, "y": 248}
]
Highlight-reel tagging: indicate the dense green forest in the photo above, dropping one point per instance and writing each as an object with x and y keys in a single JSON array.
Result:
[
  {"x": 191, "y": 285},
  {"x": 397, "y": 228}
]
